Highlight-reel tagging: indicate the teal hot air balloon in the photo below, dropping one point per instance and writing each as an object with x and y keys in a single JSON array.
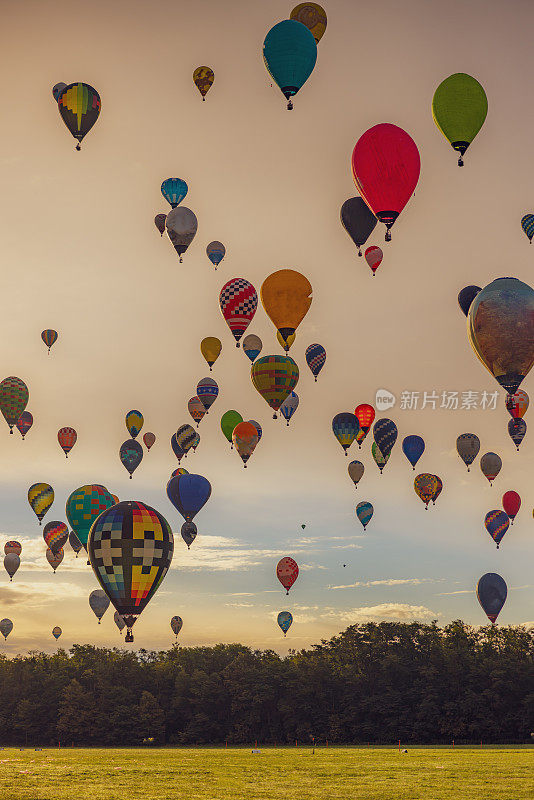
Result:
[
  {"x": 364, "y": 512},
  {"x": 527, "y": 223},
  {"x": 284, "y": 619},
  {"x": 174, "y": 190},
  {"x": 459, "y": 108},
  {"x": 289, "y": 53}
]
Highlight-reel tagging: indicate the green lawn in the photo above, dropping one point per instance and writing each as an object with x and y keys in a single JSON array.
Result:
[{"x": 275, "y": 774}]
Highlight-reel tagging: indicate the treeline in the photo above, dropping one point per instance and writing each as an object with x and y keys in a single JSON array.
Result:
[{"x": 373, "y": 682}]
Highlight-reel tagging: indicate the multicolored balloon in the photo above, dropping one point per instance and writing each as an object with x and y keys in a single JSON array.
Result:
[
  {"x": 174, "y": 191},
  {"x": 425, "y": 485},
  {"x": 413, "y": 448},
  {"x": 182, "y": 225},
  {"x": 67, "y": 439},
  {"x": 313, "y": 16},
  {"x": 134, "y": 423},
  {"x": 364, "y": 512},
  {"x": 137, "y": 571},
  {"x": 274, "y": 377},
  {"x": 258, "y": 427},
  {"x": 289, "y": 54},
  {"x": 207, "y": 392},
  {"x": 358, "y": 220},
  {"x": 287, "y": 572},
  {"x": 438, "y": 489},
  {"x": 491, "y": 594},
  {"x": 79, "y": 105},
  {"x": 527, "y": 223},
  {"x": 517, "y": 429},
  {"x": 196, "y": 409},
  {"x": 379, "y": 459},
  {"x": 56, "y": 632},
  {"x": 490, "y": 464},
  {"x": 511, "y": 502},
  {"x": 374, "y": 256},
  {"x": 245, "y": 438},
  {"x": 14, "y": 396},
  {"x": 98, "y": 599},
  {"x": 186, "y": 437},
  {"x": 203, "y": 78},
  {"x": 365, "y": 415},
  {"x": 252, "y": 346},
  {"x": 284, "y": 621},
  {"x": 176, "y": 625},
  {"x": 49, "y": 336},
  {"x": 54, "y": 559},
  {"x": 57, "y": 89},
  {"x": 497, "y": 523},
  {"x": 286, "y": 298},
  {"x": 210, "y": 347},
  {"x": 149, "y": 439},
  {"x": 468, "y": 447},
  {"x": 356, "y": 470},
  {"x": 517, "y": 404},
  {"x": 56, "y": 535},
  {"x": 386, "y": 166},
  {"x": 83, "y": 507},
  {"x": 289, "y": 406},
  {"x": 216, "y": 251},
  {"x": 188, "y": 494},
  {"x": 459, "y": 108},
  {"x": 176, "y": 449},
  {"x": 24, "y": 423},
  {"x": 40, "y": 498},
  {"x": 13, "y": 547},
  {"x": 238, "y": 301},
  {"x": 345, "y": 427},
  {"x": 131, "y": 455},
  {"x": 315, "y": 358}
]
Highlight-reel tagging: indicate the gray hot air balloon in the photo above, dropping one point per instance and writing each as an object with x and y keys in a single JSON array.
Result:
[
  {"x": 11, "y": 564},
  {"x": 54, "y": 559},
  {"x": 57, "y": 89},
  {"x": 490, "y": 464},
  {"x": 176, "y": 625},
  {"x": 216, "y": 251},
  {"x": 355, "y": 470},
  {"x": 75, "y": 543},
  {"x": 6, "y": 626},
  {"x": 468, "y": 446},
  {"x": 189, "y": 532},
  {"x": 99, "y": 602},
  {"x": 181, "y": 226},
  {"x": 119, "y": 622},
  {"x": 56, "y": 632}
]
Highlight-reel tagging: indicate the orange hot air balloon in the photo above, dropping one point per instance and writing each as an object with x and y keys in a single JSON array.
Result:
[
  {"x": 67, "y": 439},
  {"x": 426, "y": 486},
  {"x": 365, "y": 414},
  {"x": 286, "y": 298},
  {"x": 287, "y": 572},
  {"x": 517, "y": 404},
  {"x": 245, "y": 438}
]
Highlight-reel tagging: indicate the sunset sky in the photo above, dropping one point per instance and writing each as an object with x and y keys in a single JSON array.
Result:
[{"x": 80, "y": 254}]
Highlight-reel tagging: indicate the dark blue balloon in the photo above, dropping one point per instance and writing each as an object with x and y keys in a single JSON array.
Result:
[
  {"x": 188, "y": 494},
  {"x": 466, "y": 297},
  {"x": 413, "y": 448},
  {"x": 491, "y": 593},
  {"x": 385, "y": 435},
  {"x": 131, "y": 455}
]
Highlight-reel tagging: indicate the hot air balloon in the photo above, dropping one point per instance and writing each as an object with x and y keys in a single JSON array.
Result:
[
  {"x": 186, "y": 437},
  {"x": 287, "y": 572},
  {"x": 24, "y": 423},
  {"x": 177, "y": 450},
  {"x": 459, "y": 108},
  {"x": 286, "y": 298},
  {"x": 49, "y": 336},
  {"x": 98, "y": 599},
  {"x": 179, "y": 471},
  {"x": 490, "y": 464},
  {"x": 134, "y": 423},
  {"x": 466, "y": 297},
  {"x": 413, "y": 448},
  {"x": 207, "y": 392},
  {"x": 56, "y": 535},
  {"x": 211, "y": 347},
  {"x": 115, "y": 498},
  {"x": 40, "y": 498},
  {"x": 313, "y": 16},
  {"x": 75, "y": 543},
  {"x": 497, "y": 523},
  {"x": 358, "y": 220},
  {"x": 374, "y": 256},
  {"x": 501, "y": 330},
  {"x": 67, "y": 439},
  {"x": 14, "y": 397},
  {"x": 203, "y": 78},
  {"x": 84, "y": 505},
  {"x": 345, "y": 426},
  {"x": 189, "y": 533},
  {"x": 385, "y": 435},
  {"x": 11, "y": 564},
  {"x": 315, "y": 358},
  {"x": 159, "y": 222},
  {"x": 252, "y": 346},
  {"x": 517, "y": 429},
  {"x": 149, "y": 439},
  {"x": 238, "y": 301},
  {"x": 6, "y": 626},
  {"x": 176, "y": 625},
  {"x": 527, "y": 223},
  {"x": 274, "y": 377},
  {"x": 286, "y": 343},
  {"x": 258, "y": 427},
  {"x": 364, "y": 512},
  {"x": 138, "y": 571},
  {"x": 245, "y": 439},
  {"x": 181, "y": 224},
  {"x": 119, "y": 622},
  {"x": 188, "y": 494},
  {"x": 174, "y": 191},
  {"x": 491, "y": 594},
  {"x": 437, "y": 490},
  {"x": 216, "y": 251},
  {"x": 425, "y": 485},
  {"x": 517, "y": 404},
  {"x": 56, "y": 632},
  {"x": 289, "y": 53},
  {"x": 356, "y": 470},
  {"x": 284, "y": 621},
  {"x": 379, "y": 459},
  {"x": 365, "y": 415},
  {"x": 196, "y": 409},
  {"x": 468, "y": 446},
  {"x": 228, "y": 422},
  {"x": 131, "y": 455},
  {"x": 289, "y": 406},
  {"x": 511, "y": 502},
  {"x": 54, "y": 559},
  {"x": 13, "y": 547},
  {"x": 386, "y": 166},
  {"x": 79, "y": 105},
  {"x": 57, "y": 89}
]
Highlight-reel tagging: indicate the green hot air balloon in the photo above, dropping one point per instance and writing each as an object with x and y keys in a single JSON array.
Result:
[
  {"x": 228, "y": 422},
  {"x": 289, "y": 53},
  {"x": 459, "y": 108},
  {"x": 14, "y": 397}
]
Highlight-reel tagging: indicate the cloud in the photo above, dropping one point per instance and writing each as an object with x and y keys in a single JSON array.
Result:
[
  {"x": 399, "y": 612},
  {"x": 37, "y": 595},
  {"x": 240, "y": 605},
  {"x": 384, "y": 582},
  {"x": 219, "y": 553},
  {"x": 460, "y": 591}
]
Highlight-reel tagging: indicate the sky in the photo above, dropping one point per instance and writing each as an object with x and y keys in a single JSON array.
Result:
[{"x": 81, "y": 254}]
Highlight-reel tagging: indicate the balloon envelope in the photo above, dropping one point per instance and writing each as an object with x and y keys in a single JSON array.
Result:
[
  {"x": 67, "y": 438},
  {"x": 468, "y": 446},
  {"x": 274, "y": 377},
  {"x": 49, "y": 336},
  {"x": 364, "y": 512},
  {"x": 491, "y": 594},
  {"x": 84, "y": 505},
  {"x": 527, "y": 223},
  {"x": 54, "y": 559},
  {"x": 425, "y": 486},
  {"x": 286, "y": 298},
  {"x": 56, "y": 535},
  {"x": 159, "y": 222},
  {"x": 315, "y": 358},
  {"x": 188, "y": 494},
  {"x": 207, "y": 392},
  {"x": 24, "y": 423},
  {"x": 517, "y": 404},
  {"x": 289, "y": 53},
  {"x": 345, "y": 426},
  {"x": 216, "y": 251},
  {"x": 374, "y": 256},
  {"x": 196, "y": 409},
  {"x": 459, "y": 108},
  {"x": 79, "y": 105},
  {"x": 229, "y": 420},
  {"x": 40, "y": 498},
  {"x": 385, "y": 435},
  {"x": 211, "y": 347},
  {"x": 119, "y": 622},
  {"x": 134, "y": 422},
  {"x": 75, "y": 542},
  {"x": 181, "y": 224},
  {"x": 11, "y": 563},
  {"x": 56, "y": 632},
  {"x": 356, "y": 470},
  {"x": 174, "y": 191},
  {"x": 203, "y": 78},
  {"x": 289, "y": 406},
  {"x": 131, "y": 455},
  {"x": 176, "y": 624},
  {"x": 466, "y": 297},
  {"x": 189, "y": 533},
  {"x": 14, "y": 397},
  {"x": 497, "y": 523},
  {"x": 149, "y": 439},
  {"x": 365, "y": 415},
  {"x": 245, "y": 438},
  {"x": 6, "y": 626},
  {"x": 358, "y": 220},
  {"x": 490, "y": 464},
  {"x": 99, "y": 602},
  {"x": 284, "y": 621},
  {"x": 413, "y": 448},
  {"x": 238, "y": 301},
  {"x": 511, "y": 503},
  {"x": 517, "y": 429},
  {"x": 313, "y": 16},
  {"x": 287, "y": 572},
  {"x": 258, "y": 428},
  {"x": 57, "y": 89},
  {"x": 252, "y": 346}
]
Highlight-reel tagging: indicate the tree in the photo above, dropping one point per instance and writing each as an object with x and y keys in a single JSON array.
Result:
[{"x": 150, "y": 723}]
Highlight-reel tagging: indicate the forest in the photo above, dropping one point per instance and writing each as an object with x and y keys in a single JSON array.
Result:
[{"x": 374, "y": 682}]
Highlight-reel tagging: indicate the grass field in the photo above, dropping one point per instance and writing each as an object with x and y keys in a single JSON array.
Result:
[{"x": 275, "y": 774}]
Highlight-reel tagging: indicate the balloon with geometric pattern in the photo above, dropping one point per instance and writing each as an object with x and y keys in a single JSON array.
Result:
[
  {"x": 284, "y": 620},
  {"x": 13, "y": 547},
  {"x": 134, "y": 422},
  {"x": 56, "y": 535},
  {"x": 527, "y": 223},
  {"x": 385, "y": 435},
  {"x": 365, "y": 415},
  {"x": 379, "y": 459},
  {"x": 274, "y": 377},
  {"x": 345, "y": 427},
  {"x": 56, "y": 632},
  {"x": 207, "y": 392},
  {"x": 289, "y": 406},
  {"x": 57, "y": 89},
  {"x": 14, "y": 397},
  {"x": 238, "y": 301},
  {"x": 131, "y": 455},
  {"x": 75, "y": 543},
  {"x": 130, "y": 549},
  {"x": 67, "y": 439},
  {"x": 497, "y": 523},
  {"x": 516, "y": 404},
  {"x": 40, "y": 498},
  {"x": 24, "y": 423},
  {"x": 252, "y": 346},
  {"x": 425, "y": 485},
  {"x": 49, "y": 336},
  {"x": 374, "y": 256},
  {"x": 174, "y": 191},
  {"x": 364, "y": 512},
  {"x": 186, "y": 437},
  {"x": 79, "y": 105},
  {"x": 196, "y": 409},
  {"x": 315, "y": 358},
  {"x": 84, "y": 505},
  {"x": 517, "y": 429},
  {"x": 437, "y": 491}
]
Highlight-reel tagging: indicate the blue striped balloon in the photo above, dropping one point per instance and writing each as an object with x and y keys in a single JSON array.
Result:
[
  {"x": 364, "y": 512},
  {"x": 527, "y": 223},
  {"x": 174, "y": 190},
  {"x": 385, "y": 435}
]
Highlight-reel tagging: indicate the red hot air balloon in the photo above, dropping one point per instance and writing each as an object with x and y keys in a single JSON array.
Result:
[
  {"x": 374, "y": 256},
  {"x": 511, "y": 503},
  {"x": 365, "y": 414},
  {"x": 67, "y": 439},
  {"x": 386, "y": 166},
  {"x": 287, "y": 572},
  {"x": 238, "y": 300}
]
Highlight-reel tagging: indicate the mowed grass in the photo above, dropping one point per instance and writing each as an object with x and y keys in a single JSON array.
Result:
[{"x": 347, "y": 773}]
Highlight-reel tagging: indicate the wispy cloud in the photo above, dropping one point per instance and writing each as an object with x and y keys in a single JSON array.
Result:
[
  {"x": 384, "y": 582},
  {"x": 37, "y": 595},
  {"x": 400, "y": 612},
  {"x": 220, "y": 553}
]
